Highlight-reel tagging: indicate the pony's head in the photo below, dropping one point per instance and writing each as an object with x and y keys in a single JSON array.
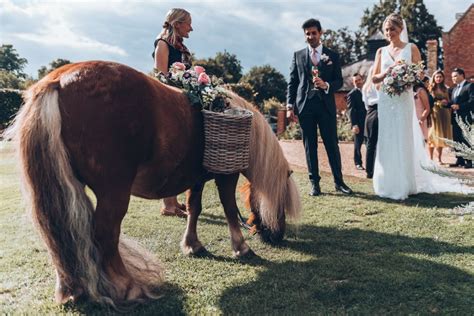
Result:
[{"x": 272, "y": 194}]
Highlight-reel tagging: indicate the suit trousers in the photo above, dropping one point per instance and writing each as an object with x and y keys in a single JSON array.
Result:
[
  {"x": 315, "y": 114},
  {"x": 371, "y": 132},
  {"x": 358, "y": 141}
]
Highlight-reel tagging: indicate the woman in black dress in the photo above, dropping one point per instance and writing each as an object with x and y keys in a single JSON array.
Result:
[{"x": 169, "y": 48}]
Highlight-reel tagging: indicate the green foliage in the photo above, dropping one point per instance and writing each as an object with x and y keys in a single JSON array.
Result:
[
  {"x": 10, "y": 102},
  {"x": 293, "y": 131},
  {"x": 244, "y": 90},
  {"x": 11, "y": 61},
  {"x": 43, "y": 71},
  {"x": 421, "y": 25},
  {"x": 8, "y": 80},
  {"x": 344, "y": 128},
  {"x": 267, "y": 82},
  {"x": 225, "y": 65},
  {"x": 348, "y": 44},
  {"x": 271, "y": 106}
]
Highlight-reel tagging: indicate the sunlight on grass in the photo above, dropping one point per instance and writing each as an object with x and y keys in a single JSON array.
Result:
[{"x": 358, "y": 254}]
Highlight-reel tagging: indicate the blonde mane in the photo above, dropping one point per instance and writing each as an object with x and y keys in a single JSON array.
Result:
[{"x": 269, "y": 171}]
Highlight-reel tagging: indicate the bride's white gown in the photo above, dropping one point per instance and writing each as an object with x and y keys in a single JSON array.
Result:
[{"x": 400, "y": 150}]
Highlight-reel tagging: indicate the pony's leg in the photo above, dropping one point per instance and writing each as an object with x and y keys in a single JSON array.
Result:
[
  {"x": 226, "y": 185},
  {"x": 111, "y": 208},
  {"x": 190, "y": 243}
]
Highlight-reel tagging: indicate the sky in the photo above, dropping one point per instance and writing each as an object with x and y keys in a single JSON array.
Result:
[{"x": 258, "y": 32}]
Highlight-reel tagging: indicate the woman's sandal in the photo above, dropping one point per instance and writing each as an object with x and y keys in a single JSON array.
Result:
[{"x": 177, "y": 211}]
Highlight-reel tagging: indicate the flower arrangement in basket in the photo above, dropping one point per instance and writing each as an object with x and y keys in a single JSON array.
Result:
[
  {"x": 401, "y": 77},
  {"x": 226, "y": 129},
  {"x": 203, "y": 91}
]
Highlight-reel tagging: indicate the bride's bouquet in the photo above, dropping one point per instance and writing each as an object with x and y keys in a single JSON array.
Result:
[
  {"x": 203, "y": 91},
  {"x": 402, "y": 77}
]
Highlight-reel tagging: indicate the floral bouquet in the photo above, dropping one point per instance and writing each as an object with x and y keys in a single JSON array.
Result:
[
  {"x": 202, "y": 90},
  {"x": 401, "y": 77}
]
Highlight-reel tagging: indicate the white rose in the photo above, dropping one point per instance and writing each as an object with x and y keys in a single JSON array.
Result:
[{"x": 388, "y": 80}]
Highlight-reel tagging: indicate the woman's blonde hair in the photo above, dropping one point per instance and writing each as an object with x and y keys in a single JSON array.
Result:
[
  {"x": 173, "y": 16},
  {"x": 395, "y": 19}
]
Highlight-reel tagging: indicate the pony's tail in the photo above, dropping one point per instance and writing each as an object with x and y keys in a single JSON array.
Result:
[{"x": 60, "y": 207}]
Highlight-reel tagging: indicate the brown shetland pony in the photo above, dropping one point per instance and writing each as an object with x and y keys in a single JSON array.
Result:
[{"x": 120, "y": 132}]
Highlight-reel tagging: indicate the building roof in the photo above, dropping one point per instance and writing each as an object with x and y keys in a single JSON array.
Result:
[
  {"x": 361, "y": 67},
  {"x": 461, "y": 18}
]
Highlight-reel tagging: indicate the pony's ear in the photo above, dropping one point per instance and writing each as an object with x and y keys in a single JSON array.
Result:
[{"x": 290, "y": 172}]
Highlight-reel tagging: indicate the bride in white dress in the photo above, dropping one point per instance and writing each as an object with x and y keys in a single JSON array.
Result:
[{"x": 400, "y": 152}]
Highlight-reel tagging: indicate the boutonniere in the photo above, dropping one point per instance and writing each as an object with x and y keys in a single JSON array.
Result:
[{"x": 325, "y": 59}]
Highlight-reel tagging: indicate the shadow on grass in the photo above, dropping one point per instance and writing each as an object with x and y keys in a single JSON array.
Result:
[
  {"x": 357, "y": 271},
  {"x": 170, "y": 303},
  {"x": 440, "y": 200}
]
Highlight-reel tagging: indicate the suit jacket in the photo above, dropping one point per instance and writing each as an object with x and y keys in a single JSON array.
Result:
[
  {"x": 356, "y": 108},
  {"x": 465, "y": 99},
  {"x": 300, "y": 81}
]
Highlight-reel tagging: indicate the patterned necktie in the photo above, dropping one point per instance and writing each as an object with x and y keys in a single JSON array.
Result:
[
  {"x": 314, "y": 57},
  {"x": 458, "y": 89}
]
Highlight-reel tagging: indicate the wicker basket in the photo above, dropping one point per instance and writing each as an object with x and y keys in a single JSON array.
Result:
[{"x": 227, "y": 136}]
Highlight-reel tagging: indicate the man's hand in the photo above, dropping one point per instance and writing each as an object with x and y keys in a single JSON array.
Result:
[
  {"x": 318, "y": 82},
  {"x": 290, "y": 115},
  {"x": 355, "y": 129},
  {"x": 455, "y": 107}
]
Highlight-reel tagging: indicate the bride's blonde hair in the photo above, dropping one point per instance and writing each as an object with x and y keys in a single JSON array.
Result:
[{"x": 395, "y": 19}]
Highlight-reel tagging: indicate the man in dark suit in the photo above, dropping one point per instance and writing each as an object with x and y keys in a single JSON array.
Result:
[
  {"x": 462, "y": 104},
  {"x": 357, "y": 112},
  {"x": 315, "y": 75}
]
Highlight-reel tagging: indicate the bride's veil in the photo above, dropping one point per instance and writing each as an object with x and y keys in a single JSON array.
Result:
[{"x": 404, "y": 33}]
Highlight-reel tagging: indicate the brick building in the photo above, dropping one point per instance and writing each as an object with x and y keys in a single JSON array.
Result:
[{"x": 458, "y": 45}]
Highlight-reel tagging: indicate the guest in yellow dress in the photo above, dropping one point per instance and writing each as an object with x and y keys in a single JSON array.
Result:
[{"x": 440, "y": 116}]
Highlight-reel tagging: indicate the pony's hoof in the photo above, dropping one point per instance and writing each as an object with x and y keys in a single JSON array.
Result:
[
  {"x": 272, "y": 238},
  {"x": 193, "y": 250},
  {"x": 243, "y": 252}
]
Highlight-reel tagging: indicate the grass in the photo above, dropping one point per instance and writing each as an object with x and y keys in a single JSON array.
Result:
[{"x": 356, "y": 255}]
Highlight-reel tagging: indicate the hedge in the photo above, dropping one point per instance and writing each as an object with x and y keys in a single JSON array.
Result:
[{"x": 10, "y": 102}]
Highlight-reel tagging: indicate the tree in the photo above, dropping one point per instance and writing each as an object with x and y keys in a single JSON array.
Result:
[
  {"x": 43, "y": 71},
  {"x": 225, "y": 65},
  {"x": 348, "y": 44},
  {"x": 267, "y": 82},
  {"x": 8, "y": 80},
  {"x": 244, "y": 90},
  {"x": 421, "y": 25},
  {"x": 11, "y": 61}
]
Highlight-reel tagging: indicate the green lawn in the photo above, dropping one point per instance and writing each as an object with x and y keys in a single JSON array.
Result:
[{"x": 357, "y": 255}]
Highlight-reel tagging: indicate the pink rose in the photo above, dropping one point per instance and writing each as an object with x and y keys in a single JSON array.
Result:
[
  {"x": 199, "y": 69},
  {"x": 178, "y": 66},
  {"x": 204, "y": 78}
]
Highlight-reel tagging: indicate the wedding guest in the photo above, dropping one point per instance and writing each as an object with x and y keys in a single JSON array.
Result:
[
  {"x": 462, "y": 105},
  {"x": 311, "y": 96},
  {"x": 371, "y": 128},
  {"x": 440, "y": 116},
  {"x": 422, "y": 107},
  {"x": 169, "y": 48},
  {"x": 357, "y": 112}
]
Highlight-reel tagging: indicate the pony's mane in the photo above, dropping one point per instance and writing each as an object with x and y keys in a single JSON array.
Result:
[{"x": 269, "y": 170}]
